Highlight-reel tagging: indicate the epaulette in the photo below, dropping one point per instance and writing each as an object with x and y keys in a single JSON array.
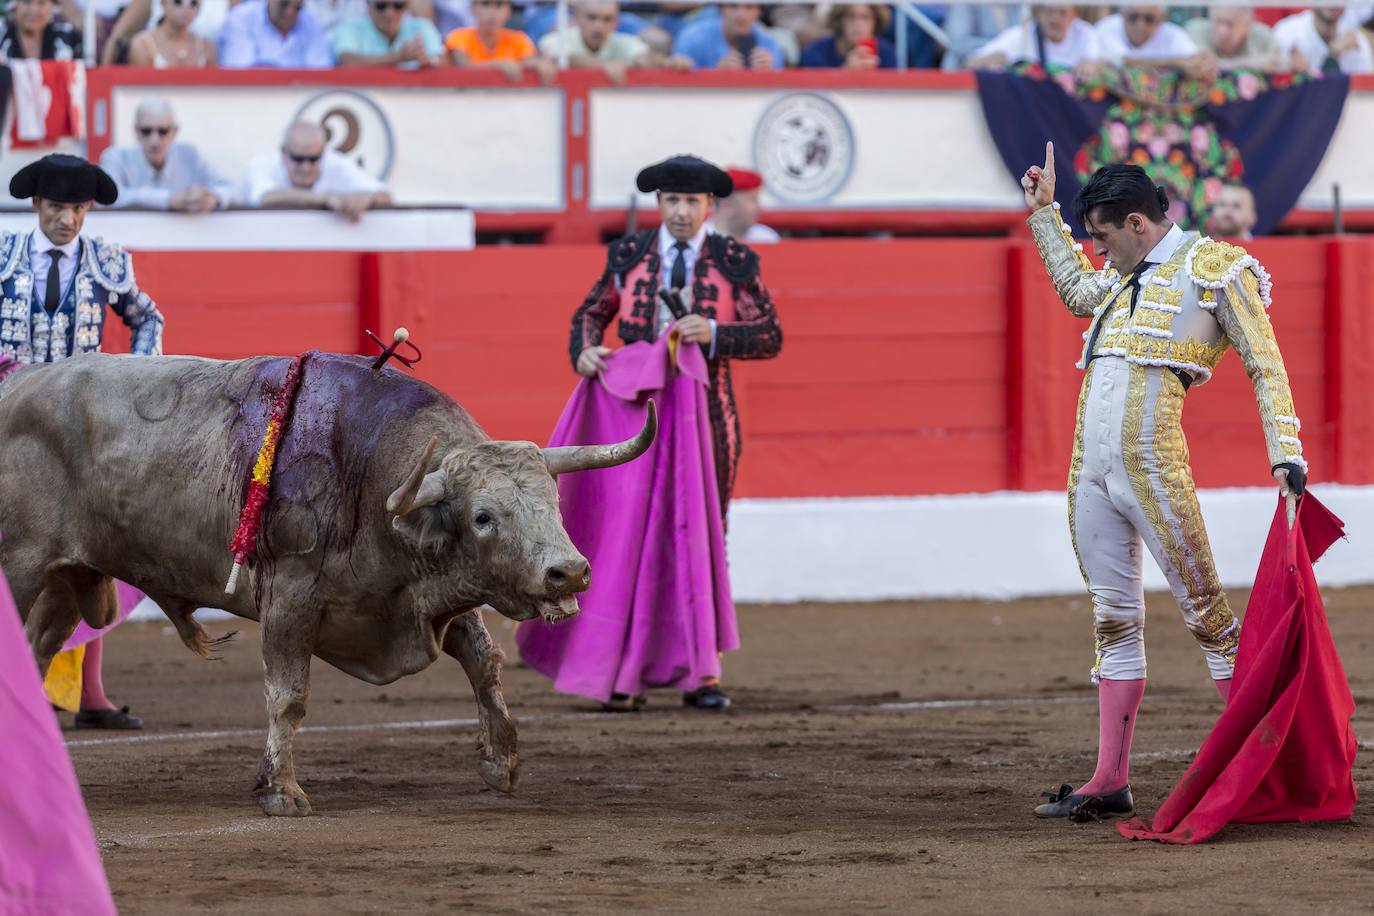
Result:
[
  {"x": 734, "y": 259},
  {"x": 13, "y": 247},
  {"x": 628, "y": 250},
  {"x": 1216, "y": 265},
  {"x": 112, "y": 265}
]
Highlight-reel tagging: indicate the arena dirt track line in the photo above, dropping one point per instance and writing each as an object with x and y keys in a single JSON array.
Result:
[{"x": 840, "y": 786}]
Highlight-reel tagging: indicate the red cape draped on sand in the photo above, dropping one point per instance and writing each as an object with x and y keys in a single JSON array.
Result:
[{"x": 1284, "y": 748}]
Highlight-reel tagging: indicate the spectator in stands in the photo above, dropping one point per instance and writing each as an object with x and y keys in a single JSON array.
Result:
[
  {"x": 305, "y": 174},
  {"x": 738, "y": 214},
  {"x": 1142, "y": 36},
  {"x": 732, "y": 42},
  {"x": 855, "y": 43},
  {"x": 490, "y": 44},
  {"x": 1233, "y": 214},
  {"x": 1054, "y": 36},
  {"x": 388, "y": 36},
  {"x": 139, "y": 15},
  {"x": 171, "y": 43},
  {"x": 31, "y": 32},
  {"x": 273, "y": 33},
  {"x": 1235, "y": 39},
  {"x": 162, "y": 174},
  {"x": 593, "y": 41},
  {"x": 1322, "y": 40},
  {"x": 970, "y": 26}
]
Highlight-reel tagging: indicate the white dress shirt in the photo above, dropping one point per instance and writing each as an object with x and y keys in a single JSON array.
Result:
[
  {"x": 667, "y": 251},
  {"x": 1018, "y": 43},
  {"x": 1169, "y": 42},
  {"x": 40, "y": 260},
  {"x": 140, "y": 185},
  {"x": 1163, "y": 251},
  {"x": 338, "y": 175},
  {"x": 1300, "y": 33}
]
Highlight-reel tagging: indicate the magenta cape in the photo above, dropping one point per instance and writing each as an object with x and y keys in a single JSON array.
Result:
[
  {"x": 1284, "y": 749},
  {"x": 659, "y": 612},
  {"x": 49, "y": 865}
]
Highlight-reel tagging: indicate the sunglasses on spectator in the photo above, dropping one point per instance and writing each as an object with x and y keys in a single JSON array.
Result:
[
  {"x": 301, "y": 160},
  {"x": 194, "y": 4},
  {"x": 382, "y": 6},
  {"x": 160, "y": 131},
  {"x": 290, "y": 4},
  {"x": 491, "y": 3},
  {"x": 1142, "y": 17}
]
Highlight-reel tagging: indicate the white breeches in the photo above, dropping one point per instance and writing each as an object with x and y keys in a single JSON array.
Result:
[{"x": 1130, "y": 483}]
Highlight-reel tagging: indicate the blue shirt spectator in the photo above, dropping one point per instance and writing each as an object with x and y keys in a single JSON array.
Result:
[
  {"x": 854, "y": 43},
  {"x": 732, "y": 42},
  {"x": 273, "y": 33},
  {"x": 826, "y": 53},
  {"x": 388, "y": 36}
]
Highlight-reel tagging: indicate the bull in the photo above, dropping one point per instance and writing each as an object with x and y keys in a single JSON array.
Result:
[{"x": 374, "y": 555}]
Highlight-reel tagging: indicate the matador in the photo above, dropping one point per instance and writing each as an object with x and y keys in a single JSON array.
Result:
[{"x": 1163, "y": 311}]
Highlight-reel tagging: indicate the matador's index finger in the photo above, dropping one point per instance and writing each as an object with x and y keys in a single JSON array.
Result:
[{"x": 1049, "y": 156}]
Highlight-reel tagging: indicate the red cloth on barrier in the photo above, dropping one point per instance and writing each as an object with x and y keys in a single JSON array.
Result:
[
  {"x": 49, "y": 102},
  {"x": 1284, "y": 749}
]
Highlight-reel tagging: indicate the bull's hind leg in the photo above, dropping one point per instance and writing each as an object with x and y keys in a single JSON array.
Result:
[
  {"x": 288, "y": 639},
  {"x": 468, "y": 641}
]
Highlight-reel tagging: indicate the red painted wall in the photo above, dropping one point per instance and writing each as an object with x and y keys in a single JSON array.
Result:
[{"x": 908, "y": 366}]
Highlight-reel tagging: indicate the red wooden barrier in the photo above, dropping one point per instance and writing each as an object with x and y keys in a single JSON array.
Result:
[{"x": 909, "y": 366}]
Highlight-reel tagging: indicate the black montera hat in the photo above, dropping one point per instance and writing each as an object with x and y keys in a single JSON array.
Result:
[
  {"x": 65, "y": 179},
  {"x": 686, "y": 175}
]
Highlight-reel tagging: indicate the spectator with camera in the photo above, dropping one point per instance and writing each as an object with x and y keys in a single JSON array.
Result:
[
  {"x": 856, "y": 42},
  {"x": 734, "y": 41}
]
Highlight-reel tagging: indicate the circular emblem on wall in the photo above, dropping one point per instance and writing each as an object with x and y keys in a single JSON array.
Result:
[
  {"x": 803, "y": 148},
  {"x": 357, "y": 128}
]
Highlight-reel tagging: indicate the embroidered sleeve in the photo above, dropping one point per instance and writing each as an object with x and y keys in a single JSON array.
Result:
[
  {"x": 756, "y": 332},
  {"x": 1239, "y": 307},
  {"x": 597, "y": 311},
  {"x": 141, "y": 314},
  {"x": 1079, "y": 285}
]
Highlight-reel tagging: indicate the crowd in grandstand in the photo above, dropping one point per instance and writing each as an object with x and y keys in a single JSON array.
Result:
[{"x": 502, "y": 35}]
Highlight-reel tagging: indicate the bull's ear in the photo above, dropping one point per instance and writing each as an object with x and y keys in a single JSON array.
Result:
[{"x": 431, "y": 529}]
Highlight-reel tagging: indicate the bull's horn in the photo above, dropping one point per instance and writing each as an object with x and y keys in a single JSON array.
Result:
[
  {"x": 421, "y": 488},
  {"x": 566, "y": 458}
]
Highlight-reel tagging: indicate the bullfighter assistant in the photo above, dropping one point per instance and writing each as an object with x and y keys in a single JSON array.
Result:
[{"x": 1160, "y": 322}]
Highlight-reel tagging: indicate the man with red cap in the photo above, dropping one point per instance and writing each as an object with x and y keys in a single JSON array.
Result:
[
  {"x": 701, "y": 292},
  {"x": 738, "y": 214},
  {"x": 55, "y": 284}
]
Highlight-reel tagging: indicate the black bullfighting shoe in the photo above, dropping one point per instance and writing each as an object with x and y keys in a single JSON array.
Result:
[
  {"x": 624, "y": 702},
  {"x": 118, "y": 719},
  {"x": 1065, "y": 803},
  {"x": 707, "y": 696}
]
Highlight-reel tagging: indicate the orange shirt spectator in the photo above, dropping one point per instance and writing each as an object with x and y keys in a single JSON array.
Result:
[{"x": 510, "y": 45}]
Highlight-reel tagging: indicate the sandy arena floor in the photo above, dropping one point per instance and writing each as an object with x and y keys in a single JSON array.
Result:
[{"x": 796, "y": 802}]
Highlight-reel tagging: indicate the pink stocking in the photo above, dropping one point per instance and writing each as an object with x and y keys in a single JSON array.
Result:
[
  {"x": 1118, "y": 703},
  {"x": 92, "y": 687},
  {"x": 1224, "y": 688}
]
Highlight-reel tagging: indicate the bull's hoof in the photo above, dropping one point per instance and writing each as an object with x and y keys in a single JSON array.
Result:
[
  {"x": 502, "y": 775},
  {"x": 283, "y": 801}
]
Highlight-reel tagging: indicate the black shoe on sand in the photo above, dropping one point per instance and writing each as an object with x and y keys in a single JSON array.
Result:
[
  {"x": 708, "y": 697},
  {"x": 1080, "y": 808}
]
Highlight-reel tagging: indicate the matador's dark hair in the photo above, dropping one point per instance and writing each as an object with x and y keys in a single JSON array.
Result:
[{"x": 1117, "y": 191}]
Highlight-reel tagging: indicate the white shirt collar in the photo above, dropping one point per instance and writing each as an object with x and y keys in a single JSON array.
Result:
[
  {"x": 40, "y": 243},
  {"x": 666, "y": 240},
  {"x": 1167, "y": 245}
]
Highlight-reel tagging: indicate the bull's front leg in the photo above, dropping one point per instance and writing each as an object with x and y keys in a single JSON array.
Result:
[
  {"x": 288, "y": 639},
  {"x": 468, "y": 641}
]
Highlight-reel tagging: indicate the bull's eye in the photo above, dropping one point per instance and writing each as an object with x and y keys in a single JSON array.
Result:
[{"x": 483, "y": 519}]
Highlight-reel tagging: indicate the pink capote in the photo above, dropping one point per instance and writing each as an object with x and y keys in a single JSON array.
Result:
[
  {"x": 1284, "y": 749},
  {"x": 659, "y": 612},
  {"x": 49, "y": 865}
]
